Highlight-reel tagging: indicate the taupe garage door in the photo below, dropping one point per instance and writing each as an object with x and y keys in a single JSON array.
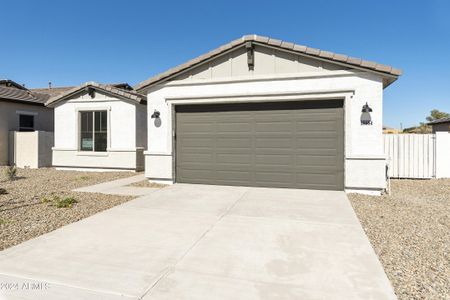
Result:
[{"x": 288, "y": 144}]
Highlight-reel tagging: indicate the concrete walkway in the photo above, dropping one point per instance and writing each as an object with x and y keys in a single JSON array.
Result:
[
  {"x": 119, "y": 187},
  {"x": 204, "y": 242}
]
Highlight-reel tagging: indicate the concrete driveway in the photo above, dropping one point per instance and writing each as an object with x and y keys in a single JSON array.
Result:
[{"x": 203, "y": 242}]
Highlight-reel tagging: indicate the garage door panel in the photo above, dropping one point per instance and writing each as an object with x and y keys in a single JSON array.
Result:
[
  {"x": 198, "y": 127},
  {"x": 243, "y": 127},
  {"x": 235, "y": 176},
  {"x": 195, "y": 176},
  {"x": 316, "y": 143},
  {"x": 308, "y": 178},
  {"x": 195, "y": 157},
  {"x": 273, "y": 159},
  {"x": 229, "y": 142},
  {"x": 271, "y": 127},
  {"x": 297, "y": 145},
  {"x": 273, "y": 142},
  {"x": 316, "y": 126},
  {"x": 233, "y": 158},
  {"x": 316, "y": 160},
  {"x": 195, "y": 141},
  {"x": 274, "y": 177}
]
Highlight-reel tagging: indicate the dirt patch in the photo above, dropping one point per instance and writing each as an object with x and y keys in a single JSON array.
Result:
[
  {"x": 27, "y": 204},
  {"x": 410, "y": 231}
]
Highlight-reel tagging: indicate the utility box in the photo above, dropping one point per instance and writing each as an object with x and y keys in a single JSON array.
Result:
[{"x": 30, "y": 149}]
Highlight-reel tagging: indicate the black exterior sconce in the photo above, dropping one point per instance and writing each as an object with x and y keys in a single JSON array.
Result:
[
  {"x": 250, "y": 56},
  {"x": 155, "y": 114},
  {"x": 91, "y": 92},
  {"x": 366, "y": 119}
]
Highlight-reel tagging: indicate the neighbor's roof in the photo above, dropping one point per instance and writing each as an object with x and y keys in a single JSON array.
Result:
[
  {"x": 261, "y": 40},
  {"x": 439, "y": 121},
  {"x": 53, "y": 91},
  {"x": 119, "y": 90},
  {"x": 11, "y": 83},
  {"x": 22, "y": 95}
]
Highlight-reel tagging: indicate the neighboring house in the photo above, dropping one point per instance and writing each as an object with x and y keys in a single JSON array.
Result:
[
  {"x": 264, "y": 112},
  {"x": 21, "y": 109},
  {"x": 389, "y": 130},
  {"x": 421, "y": 129},
  {"x": 99, "y": 126},
  {"x": 440, "y": 125}
]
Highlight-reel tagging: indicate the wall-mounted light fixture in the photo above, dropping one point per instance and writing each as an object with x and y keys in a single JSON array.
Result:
[
  {"x": 366, "y": 119},
  {"x": 250, "y": 55},
  {"x": 155, "y": 114},
  {"x": 91, "y": 92}
]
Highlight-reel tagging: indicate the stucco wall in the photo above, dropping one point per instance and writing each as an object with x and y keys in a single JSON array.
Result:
[
  {"x": 122, "y": 133},
  {"x": 30, "y": 149},
  {"x": 364, "y": 156},
  {"x": 9, "y": 121}
]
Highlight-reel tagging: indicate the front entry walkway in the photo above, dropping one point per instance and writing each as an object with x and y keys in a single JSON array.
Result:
[{"x": 203, "y": 242}]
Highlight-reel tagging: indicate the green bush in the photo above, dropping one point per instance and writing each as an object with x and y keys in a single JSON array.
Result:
[
  {"x": 11, "y": 173},
  {"x": 66, "y": 202},
  {"x": 56, "y": 201}
]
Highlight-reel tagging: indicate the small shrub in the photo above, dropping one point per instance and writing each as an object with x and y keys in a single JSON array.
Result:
[
  {"x": 66, "y": 202},
  {"x": 56, "y": 201},
  {"x": 11, "y": 173},
  {"x": 3, "y": 191},
  {"x": 45, "y": 200}
]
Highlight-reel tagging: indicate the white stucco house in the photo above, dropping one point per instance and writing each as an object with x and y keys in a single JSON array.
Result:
[
  {"x": 257, "y": 112},
  {"x": 101, "y": 127}
]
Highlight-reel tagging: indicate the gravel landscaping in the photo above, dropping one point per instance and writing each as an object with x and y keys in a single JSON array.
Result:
[
  {"x": 410, "y": 231},
  {"x": 148, "y": 184},
  {"x": 41, "y": 200}
]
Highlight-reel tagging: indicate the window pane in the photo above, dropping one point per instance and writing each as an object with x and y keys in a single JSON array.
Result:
[
  {"x": 26, "y": 123},
  {"x": 101, "y": 131},
  {"x": 86, "y": 142},
  {"x": 100, "y": 141}
]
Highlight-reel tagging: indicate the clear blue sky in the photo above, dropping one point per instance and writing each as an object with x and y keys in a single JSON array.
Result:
[{"x": 70, "y": 42}]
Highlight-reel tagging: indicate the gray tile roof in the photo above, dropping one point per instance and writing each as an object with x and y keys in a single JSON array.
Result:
[
  {"x": 22, "y": 95},
  {"x": 11, "y": 83},
  {"x": 118, "y": 89},
  {"x": 439, "y": 121},
  {"x": 304, "y": 50},
  {"x": 54, "y": 91}
]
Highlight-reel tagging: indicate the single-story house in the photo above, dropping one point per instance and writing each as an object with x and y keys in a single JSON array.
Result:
[
  {"x": 262, "y": 112},
  {"x": 21, "y": 109},
  {"x": 99, "y": 126},
  {"x": 440, "y": 125}
]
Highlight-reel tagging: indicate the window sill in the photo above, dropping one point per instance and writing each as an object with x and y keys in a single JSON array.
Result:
[{"x": 92, "y": 153}]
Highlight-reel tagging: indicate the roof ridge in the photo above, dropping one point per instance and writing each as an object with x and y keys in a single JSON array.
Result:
[
  {"x": 271, "y": 42},
  {"x": 129, "y": 94}
]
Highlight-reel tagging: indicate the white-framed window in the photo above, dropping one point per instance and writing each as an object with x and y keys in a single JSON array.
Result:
[
  {"x": 93, "y": 131},
  {"x": 26, "y": 122}
]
